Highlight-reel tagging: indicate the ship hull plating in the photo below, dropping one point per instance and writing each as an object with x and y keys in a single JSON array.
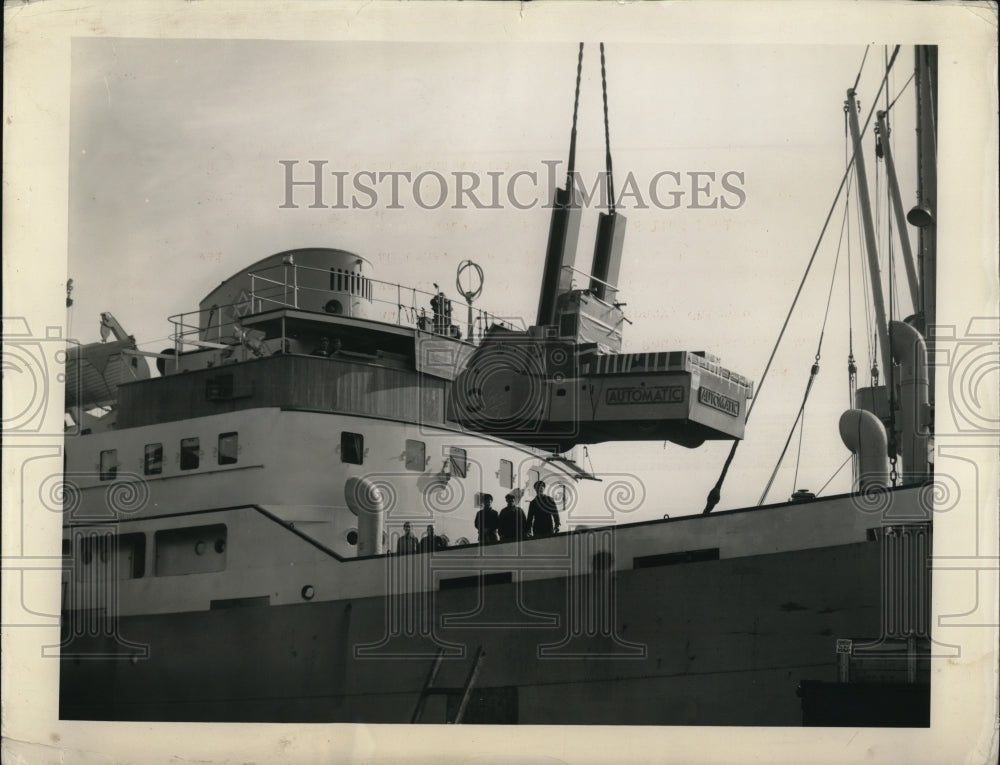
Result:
[{"x": 715, "y": 642}]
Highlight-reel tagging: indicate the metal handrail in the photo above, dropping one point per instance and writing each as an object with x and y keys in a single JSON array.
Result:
[{"x": 187, "y": 325}]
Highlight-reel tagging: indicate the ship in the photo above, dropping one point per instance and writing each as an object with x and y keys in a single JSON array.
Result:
[{"x": 280, "y": 525}]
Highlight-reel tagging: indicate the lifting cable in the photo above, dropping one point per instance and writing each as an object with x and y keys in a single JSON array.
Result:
[
  {"x": 607, "y": 136},
  {"x": 715, "y": 494},
  {"x": 576, "y": 109}
]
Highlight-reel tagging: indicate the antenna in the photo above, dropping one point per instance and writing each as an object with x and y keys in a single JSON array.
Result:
[{"x": 470, "y": 293}]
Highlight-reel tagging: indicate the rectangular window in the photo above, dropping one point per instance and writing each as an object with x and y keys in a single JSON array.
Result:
[
  {"x": 152, "y": 463},
  {"x": 506, "y": 474},
  {"x": 533, "y": 477},
  {"x": 190, "y": 453},
  {"x": 229, "y": 447},
  {"x": 352, "y": 448},
  {"x": 416, "y": 455},
  {"x": 459, "y": 464},
  {"x": 109, "y": 464},
  {"x": 195, "y": 550}
]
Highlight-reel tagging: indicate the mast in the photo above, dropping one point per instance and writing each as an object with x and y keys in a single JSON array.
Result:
[{"x": 924, "y": 215}]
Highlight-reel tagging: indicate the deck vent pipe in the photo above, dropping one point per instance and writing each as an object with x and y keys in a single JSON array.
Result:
[
  {"x": 910, "y": 351},
  {"x": 863, "y": 433}
]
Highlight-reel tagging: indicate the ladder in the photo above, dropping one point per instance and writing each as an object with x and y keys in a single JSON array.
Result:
[{"x": 430, "y": 689}]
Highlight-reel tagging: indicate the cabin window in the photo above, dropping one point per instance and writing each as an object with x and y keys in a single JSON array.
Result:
[
  {"x": 506, "y": 474},
  {"x": 229, "y": 447},
  {"x": 194, "y": 550},
  {"x": 109, "y": 464},
  {"x": 352, "y": 448},
  {"x": 190, "y": 453},
  {"x": 416, "y": 455},
  {"x": 152, "y": 463},
  {"x": 459, "y": 463},
  {"x": 533, "y": 477}
]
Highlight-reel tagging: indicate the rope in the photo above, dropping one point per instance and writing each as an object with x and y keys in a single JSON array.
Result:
[
  {"x": 715, "y": 493},
  {"x": 607, "y": 137}
]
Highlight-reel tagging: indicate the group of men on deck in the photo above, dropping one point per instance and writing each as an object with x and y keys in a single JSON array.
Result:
[
  {"x": 508, "y": 525},
  {"x": 511, "y": 525},
  {"x": 408, "y": 544}
]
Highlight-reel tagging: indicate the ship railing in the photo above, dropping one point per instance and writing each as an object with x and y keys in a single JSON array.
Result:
[
  {"x": 221, "y": 326},
  {"x": 393, "y": 302}
]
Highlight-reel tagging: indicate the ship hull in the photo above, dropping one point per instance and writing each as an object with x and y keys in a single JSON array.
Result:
[{"x": 709, "y": 642}]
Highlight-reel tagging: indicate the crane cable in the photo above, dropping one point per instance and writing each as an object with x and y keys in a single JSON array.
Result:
[
  {"x": 607, "y": 138},
  {"x": 576, "y": 108},
  {"x": 715, "y": 493}
]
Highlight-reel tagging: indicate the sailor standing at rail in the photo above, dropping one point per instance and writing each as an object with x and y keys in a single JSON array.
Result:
[
  {"x": 407, "y": 544},
  {"x": 486, "y": 521},
  {"x": 543, "y": 517},
  {"x": 511, "y": 524}
]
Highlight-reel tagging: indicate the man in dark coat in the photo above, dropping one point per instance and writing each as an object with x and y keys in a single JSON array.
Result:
[
  {"x": 543, "y": 518},
  {"x": 430, "y": 542},
  {"x": 407, "y": 544},
  {"x": 512, "y": 523},
  {"x": 486, "y": 521}
]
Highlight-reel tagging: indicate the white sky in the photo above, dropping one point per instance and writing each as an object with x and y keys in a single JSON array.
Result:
[{"x": 175, "y": 184}]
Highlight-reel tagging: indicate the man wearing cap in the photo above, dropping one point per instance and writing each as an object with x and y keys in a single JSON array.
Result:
[
  {"x": 512, "y": 523},
  {"x": 543, "y": 518},
  {"x": 486, "y": 521}
]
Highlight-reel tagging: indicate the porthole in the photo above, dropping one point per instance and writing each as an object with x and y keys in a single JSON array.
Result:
[
  {"x": 352, "y": 537},
  {"x": 308, "y": 592},
  {"x": 220, "y": 546},
  {"x": 199, "y": 547}
]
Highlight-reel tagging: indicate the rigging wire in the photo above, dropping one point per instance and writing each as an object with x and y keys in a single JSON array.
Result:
[
  {"x": 861, "y": 68},
  {"x": 901, "y": 91},
  {"x": 822, "y": 333},
  {"x": 852, "y": 369},
  {"x": 835, "y": 474},
  {"x": 812, "y": 378},
  {"x": 715, "y": 493}
]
